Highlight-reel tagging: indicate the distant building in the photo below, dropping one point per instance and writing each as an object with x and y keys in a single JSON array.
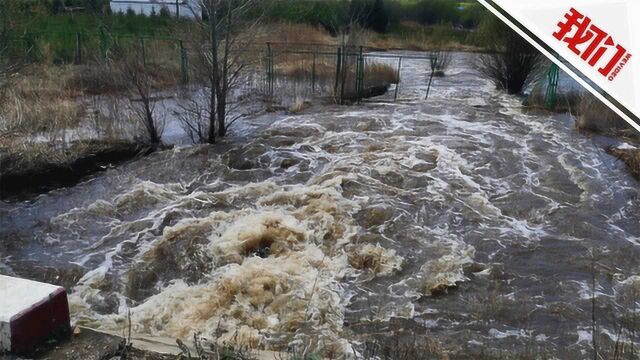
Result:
[{"x": 182, "y": 8}]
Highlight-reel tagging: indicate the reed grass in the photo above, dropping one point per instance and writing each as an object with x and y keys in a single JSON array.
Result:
[
  {"x": 593, "y": 115},
  {"x": 631, "y": 157}
]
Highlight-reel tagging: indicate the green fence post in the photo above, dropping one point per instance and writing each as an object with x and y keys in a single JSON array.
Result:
[
  {"x": 429, "y": 85},
  {"x": 360, "y": 76},
  {"x": 357, "y": 77},
  {"x": 78, "y": 57},
  {"x": 395, "y": 95},
  {"x": 433, "y": 61},
  {"x": 552, "y": 87},
  {"x": 338, "y": 70},
  {"x": 357, "y": 88},
  {"x": 313, "y": 74},
  {"x": 144, "y": 53},
  {"x": 184, "y": 66},
  {"x": 265, "y": 82},
  {"x": 30, "y": 45},
  {"x": 104, "y": 43},
  {"x": 269, "y": 69}
]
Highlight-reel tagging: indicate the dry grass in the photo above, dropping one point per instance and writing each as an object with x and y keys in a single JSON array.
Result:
[
  {"x": 303, "y": 68},
  {"x": 376, "y": 73},
  {"x": 593, "y": 115},
  {"x": 45, "y": 101},
  {"x": 283, "y": 32},
  {"x": 402, "y": 346},
  {"x": 38, "y": 105},
  {"x": 44, "y": 125},
  {"x": 566, "y": 102},
  {"x": 418, "y": 38},
  {"x": 98, "y": 79},
  {"x": 418, "y": 43},
  {"x": 299, "y": 105},
  {"x": 380, "y": 74},
  {"x": 24, "y": 156},
  {"x": 93, "y": 79},
  {"x": 631, "y": 157}
]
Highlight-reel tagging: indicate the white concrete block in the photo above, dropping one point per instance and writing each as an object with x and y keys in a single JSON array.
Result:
[{"x": 30, "y": 313}]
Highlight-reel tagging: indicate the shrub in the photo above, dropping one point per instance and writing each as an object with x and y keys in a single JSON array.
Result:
[
  {"x": 440, "y": 61},
  {"x": 631, "y": 157},
  {"x": 472, "y": 15},
  {"x": 512, "y": 63},
  {"x": 437, "y": 11},
  {"x": 329, "y": 13},
  {"x": 370, "y": 14},
  {"x": 57, "y": 6},
  {"x": 593, "y": 115},
  {"x": 566, "y": 101},
  {"x": 164, "y": 12}
]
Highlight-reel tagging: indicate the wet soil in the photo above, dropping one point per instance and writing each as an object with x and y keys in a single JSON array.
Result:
[{"x": 23, "y": 182}]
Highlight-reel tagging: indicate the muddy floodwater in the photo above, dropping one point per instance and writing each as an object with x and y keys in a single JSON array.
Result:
[{"x": 461, "y": 218}]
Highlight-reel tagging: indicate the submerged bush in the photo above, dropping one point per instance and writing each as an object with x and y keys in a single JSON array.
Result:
[
  {"x": 593, "y": 115},
  {"x": 512, "y": 63},
  {"x": 631, "y": 157}
]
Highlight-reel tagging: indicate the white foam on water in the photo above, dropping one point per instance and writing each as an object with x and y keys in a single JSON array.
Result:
[{"x": 385, "y": 203}]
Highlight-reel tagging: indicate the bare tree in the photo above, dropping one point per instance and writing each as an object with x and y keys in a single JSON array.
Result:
[
  {"x": 512, "y": 63},
  {"x": 139, "y": 81},
  {"x": 441, "y": 61},
  {"x": 194, "y": 116},
  {"x": 225, "y": 28},
  {"x": 352, "y": 37}
]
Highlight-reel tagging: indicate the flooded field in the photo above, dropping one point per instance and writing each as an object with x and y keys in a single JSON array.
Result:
[{"x": 459, "y": 218}]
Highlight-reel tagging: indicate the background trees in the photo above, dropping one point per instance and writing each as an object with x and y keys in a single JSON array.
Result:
[
  {"x": 224, "y": 29},
  {"x": 371, "y": 14},
  {"x": 140, "y": 85}
]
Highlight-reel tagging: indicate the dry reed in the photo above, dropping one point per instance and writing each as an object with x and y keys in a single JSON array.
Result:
[
  {"x": 631, "y": 157},
  {"x": 593, "y": 115}
]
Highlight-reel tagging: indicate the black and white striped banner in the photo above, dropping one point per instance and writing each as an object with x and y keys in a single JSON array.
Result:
[{"x": 600, "y": 39}]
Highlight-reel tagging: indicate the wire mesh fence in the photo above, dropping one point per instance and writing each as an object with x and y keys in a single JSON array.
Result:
[
  {"x": 281, "y": 71},
  {"x": 346, "y": 73},
  {"x": 555, "y": 90}
]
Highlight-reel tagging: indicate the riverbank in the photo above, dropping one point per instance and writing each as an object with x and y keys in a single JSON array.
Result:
[
  {"x": 30, "y": 171},
  {"x": 631, "y": 157},
  {"x": 444, "y": 218}
]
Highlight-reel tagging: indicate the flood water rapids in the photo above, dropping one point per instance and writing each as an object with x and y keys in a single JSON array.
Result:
[{"x": 461, "y": 217}]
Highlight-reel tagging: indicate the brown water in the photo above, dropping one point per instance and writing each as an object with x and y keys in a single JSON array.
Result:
[{"x": 459, "y": 217}]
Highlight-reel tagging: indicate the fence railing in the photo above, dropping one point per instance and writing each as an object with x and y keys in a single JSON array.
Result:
[{"x": 347, "y": 73}]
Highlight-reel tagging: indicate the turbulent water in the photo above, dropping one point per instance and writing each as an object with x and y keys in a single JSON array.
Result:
[{"x": 459, "y": 218}]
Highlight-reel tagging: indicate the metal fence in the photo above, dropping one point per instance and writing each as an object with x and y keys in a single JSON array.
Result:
[{"x": 346, "y": 73}]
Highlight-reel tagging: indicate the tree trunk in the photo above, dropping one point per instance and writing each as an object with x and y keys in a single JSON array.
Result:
[
  {"x": 222, "y": 108},
  {"x": 214, "y": 72},
  {"x": 211, "y": 138},
  {"x": 154, "y": 138},
  {"x": 223, "y": 82}
]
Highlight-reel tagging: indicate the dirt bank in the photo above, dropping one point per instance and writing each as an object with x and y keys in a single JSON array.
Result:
[
  {"x": 631, "y": 157},
  {"x": 23, "y": 175}
]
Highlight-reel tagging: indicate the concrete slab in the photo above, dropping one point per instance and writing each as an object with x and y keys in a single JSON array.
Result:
[
  {"x": 164, "y": 346},
  {"x": 30, "y": 313}
]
